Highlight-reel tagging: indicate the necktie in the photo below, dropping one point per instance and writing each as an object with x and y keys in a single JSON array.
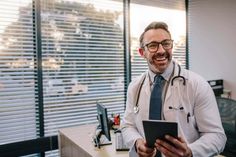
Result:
[
  {"x": 155, "y": 99},
  {"x": 156, "y": 102}
]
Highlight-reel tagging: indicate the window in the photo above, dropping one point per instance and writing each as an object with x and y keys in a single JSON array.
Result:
[
  {"x": 83, "y": 61},
  {"x": 52, "y": 74},
  {"x": 18, "y": 94}
]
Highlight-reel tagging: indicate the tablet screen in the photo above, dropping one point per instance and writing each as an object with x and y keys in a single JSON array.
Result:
[{"x": 157, "y": 129}]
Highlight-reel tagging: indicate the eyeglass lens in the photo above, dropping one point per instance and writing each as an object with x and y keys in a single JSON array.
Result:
[{"x": 154, "y": 46}]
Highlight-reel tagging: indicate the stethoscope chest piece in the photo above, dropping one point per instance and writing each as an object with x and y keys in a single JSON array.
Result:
[{"x": 136, "y": 109}]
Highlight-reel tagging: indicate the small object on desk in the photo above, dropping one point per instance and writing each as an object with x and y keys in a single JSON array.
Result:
[
  {"x": 100, "y": 139},
  {"x": 76, "y": 142},
  {"x": 226, "y": 93},
  {"x": 115, "y": 119},
  {"x": 120, "y": 146}
]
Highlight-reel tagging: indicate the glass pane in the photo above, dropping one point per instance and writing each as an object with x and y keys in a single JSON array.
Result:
[
  {"x": 83, "y": 60},
  {"x": 18, "y": 95}
]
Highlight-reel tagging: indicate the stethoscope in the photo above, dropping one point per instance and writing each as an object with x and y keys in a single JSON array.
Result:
[{"x": 136, "y": 107}]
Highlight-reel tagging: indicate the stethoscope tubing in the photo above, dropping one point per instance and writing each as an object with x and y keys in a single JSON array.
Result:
[{"x": 136, "y": 107}]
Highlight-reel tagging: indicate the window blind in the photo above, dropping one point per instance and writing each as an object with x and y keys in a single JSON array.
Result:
[
  {"x": 18, "y": 86},
  {"x": 83, "y": 61}
]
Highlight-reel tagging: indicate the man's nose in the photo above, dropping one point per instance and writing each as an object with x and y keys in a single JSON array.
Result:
[{"x": 160, "y": 48}]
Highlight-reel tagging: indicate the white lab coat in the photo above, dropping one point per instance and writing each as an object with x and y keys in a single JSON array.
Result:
[{"x": 204, "y": 132}]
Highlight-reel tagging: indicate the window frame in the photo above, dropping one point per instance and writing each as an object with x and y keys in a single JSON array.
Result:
[{"x": 51, "y": 142}]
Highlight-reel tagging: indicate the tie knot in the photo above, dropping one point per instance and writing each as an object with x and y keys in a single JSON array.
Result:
[{"x": 158, "y": 79}]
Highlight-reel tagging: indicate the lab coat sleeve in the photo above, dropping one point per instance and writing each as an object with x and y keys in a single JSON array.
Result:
[
  {"x": 212, "y": 137},
  {"x": 132, "y": 152},
  {"x": 129, "y": 129}
]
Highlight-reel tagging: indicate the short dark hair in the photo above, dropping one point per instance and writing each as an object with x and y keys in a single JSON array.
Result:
[{"x": 153, "y": 25}]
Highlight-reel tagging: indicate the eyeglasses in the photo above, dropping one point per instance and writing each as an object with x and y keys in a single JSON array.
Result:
[{"x": 154, "y": 45}]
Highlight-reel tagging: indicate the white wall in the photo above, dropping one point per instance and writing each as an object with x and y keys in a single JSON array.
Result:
[{"x": 212, "y": 40}]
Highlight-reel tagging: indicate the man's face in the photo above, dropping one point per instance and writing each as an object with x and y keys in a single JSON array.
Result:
[{"x": 159, "y": 60}]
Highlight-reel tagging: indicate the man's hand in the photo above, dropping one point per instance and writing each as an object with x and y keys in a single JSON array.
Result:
[
  {"x": 143, "y": 150},
  {"x": 178, "y": 149}
]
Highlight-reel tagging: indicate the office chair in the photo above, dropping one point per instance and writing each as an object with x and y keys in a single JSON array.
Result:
[{"x": 227, "y": 109}]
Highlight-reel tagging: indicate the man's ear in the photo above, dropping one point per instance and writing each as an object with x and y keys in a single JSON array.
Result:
[{"x": 141, "y": 52}]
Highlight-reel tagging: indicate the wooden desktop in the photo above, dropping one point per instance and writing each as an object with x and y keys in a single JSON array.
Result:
[{"x": 77, "y": 142}]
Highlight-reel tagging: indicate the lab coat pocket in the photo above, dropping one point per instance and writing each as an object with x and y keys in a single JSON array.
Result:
[{"x": 186, "y": 123}]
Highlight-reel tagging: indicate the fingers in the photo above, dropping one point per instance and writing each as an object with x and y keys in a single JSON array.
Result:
[
  {"x": 177, "y": 142},
  {"x": 173, "y": 146},
  {"x": 181, "y": 139},
  {"x": 143, "y": 150},
  {"x": 144, "y": 153},
  {"x": 168, "y": 149}
]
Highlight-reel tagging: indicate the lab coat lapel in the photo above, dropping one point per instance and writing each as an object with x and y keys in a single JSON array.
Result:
[
  {"x": 144, "y": 99},
  {"x": 147, "y": 86},
  {"x": 170, "y": 88}
]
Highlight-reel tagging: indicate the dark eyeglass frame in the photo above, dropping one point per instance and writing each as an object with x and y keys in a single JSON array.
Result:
[{"x": 156, "y": 44}]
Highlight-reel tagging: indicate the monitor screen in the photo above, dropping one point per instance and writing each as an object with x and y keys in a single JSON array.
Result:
[{"x": 103, "y": 120}]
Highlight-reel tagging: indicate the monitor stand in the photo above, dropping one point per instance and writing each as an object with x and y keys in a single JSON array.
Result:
[{"x": 100, "y": 139}]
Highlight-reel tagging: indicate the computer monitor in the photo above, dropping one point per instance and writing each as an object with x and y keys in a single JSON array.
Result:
[{"x": 103, "y": 128}]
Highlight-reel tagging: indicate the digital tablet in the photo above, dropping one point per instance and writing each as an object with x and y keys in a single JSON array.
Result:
[{"x": 157, "y": 129}]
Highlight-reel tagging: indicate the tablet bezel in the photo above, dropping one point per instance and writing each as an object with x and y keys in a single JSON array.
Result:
[{"x": 157, "y": 129}]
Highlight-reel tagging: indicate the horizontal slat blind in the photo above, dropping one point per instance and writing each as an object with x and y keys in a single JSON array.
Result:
[
  {"x": 170, "y": 11},
  {"x": 83, "y": 61},
  {"x": 18, "y": 94}
]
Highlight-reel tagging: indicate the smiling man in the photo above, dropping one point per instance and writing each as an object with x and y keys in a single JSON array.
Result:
[{"x": 181, "y": 96}]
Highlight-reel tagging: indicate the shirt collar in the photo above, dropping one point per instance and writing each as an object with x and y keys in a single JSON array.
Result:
[{"x": 166, "y": 74}]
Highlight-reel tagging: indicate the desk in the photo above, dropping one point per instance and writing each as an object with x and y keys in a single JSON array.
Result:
[{"x": 77, "y": 142}]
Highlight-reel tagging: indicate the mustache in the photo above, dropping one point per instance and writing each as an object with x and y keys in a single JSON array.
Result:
[{"x": 161, "y": 55}]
